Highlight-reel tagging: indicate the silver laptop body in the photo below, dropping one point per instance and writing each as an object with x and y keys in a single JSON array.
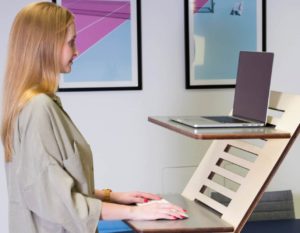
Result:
[{"x": 251, "y": 95}]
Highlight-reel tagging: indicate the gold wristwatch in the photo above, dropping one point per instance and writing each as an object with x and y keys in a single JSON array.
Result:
[{"x": 106, "y": 196}]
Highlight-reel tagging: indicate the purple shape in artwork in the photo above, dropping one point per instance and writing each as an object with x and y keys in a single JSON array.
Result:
[
  {"x": 96, "y": 19},
  {"x": 90, "y": 35},
  {"x": 198, "y": 4}
]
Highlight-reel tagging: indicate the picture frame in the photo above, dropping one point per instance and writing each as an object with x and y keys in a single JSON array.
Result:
[
  {"x": 109, "y": 44},
  {"x": 215, "y": 32}
]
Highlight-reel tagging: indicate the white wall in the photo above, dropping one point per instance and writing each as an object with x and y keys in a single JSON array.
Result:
[
  {"x": 137, "y": 155},
  {"x": 284, "y": 39}
]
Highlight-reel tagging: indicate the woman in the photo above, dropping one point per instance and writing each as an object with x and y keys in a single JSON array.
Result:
[{"x": 48, "y": 162}]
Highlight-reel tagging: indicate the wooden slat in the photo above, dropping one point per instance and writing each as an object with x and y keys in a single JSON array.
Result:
[
  {"x": 229, "y": 175},
  {"x": 236, "y": 160},
  {"x": 219, "y": 188},
  {"x": 273, "y": 120},
  {"x": 279, "y": 100},
  {"x": 245, "y": 146},
  {"x": 211, "y": 203}
]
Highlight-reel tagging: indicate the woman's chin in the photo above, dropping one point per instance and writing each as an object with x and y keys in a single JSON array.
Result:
[{"x": 66, "y": 71}]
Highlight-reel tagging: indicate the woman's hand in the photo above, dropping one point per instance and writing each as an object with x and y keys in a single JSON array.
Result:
[
  {"x": 154, "y": 211},
  {"x": 132, "y": 197}
]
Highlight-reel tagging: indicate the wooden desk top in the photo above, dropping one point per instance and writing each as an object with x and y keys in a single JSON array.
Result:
[
  {"x": 200, "y": 220},
  {"x": 219, "y": 133}
]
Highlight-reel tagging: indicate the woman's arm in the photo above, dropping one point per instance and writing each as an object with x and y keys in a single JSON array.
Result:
[{"x": 125, "y": 197}]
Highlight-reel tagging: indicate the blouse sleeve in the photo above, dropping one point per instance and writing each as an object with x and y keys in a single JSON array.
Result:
[{"x": 48, "y": 189}]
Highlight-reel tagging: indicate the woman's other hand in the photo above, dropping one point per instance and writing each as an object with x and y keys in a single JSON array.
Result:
[{"x": 132, "y": 197}]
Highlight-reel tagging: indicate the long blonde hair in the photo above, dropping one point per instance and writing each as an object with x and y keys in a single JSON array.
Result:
[{"x": 33, "y": 62}]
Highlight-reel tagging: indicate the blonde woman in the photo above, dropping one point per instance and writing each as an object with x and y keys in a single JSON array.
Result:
[{"x": 48, "y": 162}]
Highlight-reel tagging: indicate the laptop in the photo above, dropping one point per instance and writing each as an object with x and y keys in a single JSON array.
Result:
[{"x": 251, "y": 97}]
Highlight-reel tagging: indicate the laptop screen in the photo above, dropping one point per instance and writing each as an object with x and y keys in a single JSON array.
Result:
[{"x": 253, "y": 85}]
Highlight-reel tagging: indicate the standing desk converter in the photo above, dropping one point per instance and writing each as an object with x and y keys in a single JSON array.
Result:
[{"x": 237, "y": 166}]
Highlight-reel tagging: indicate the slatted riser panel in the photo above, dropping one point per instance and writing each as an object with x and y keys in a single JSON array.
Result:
[
  {"x": 226, "y": 176},
  {"x": 233, "y": 173}
]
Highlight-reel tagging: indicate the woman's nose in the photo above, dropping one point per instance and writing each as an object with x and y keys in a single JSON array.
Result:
[{"x": 76, "y": 53}]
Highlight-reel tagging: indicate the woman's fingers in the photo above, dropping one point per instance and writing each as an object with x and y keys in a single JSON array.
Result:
[
  {"x": 175, "y": 211},
  {"x": 165, "y": 210},
  {"x": 149, "y": 196}
]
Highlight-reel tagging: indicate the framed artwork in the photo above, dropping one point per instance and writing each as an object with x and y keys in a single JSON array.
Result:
[
  {"x": 109, "y": 45},
  {"x": 215, "y": 32}
]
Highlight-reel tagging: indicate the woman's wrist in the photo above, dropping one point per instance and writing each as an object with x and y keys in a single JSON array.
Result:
[
  {"x": 116, "y": 211},
  {"x": 104, "y": 195},
  {"x": 132, "y": 212},
  {"x": 107, "y": 195}
]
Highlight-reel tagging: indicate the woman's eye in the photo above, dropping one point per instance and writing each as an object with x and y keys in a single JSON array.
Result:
[{"x": 72, "y": 43}]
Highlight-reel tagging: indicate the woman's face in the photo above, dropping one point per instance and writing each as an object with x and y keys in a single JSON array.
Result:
[{"x": 69, "y": 51}]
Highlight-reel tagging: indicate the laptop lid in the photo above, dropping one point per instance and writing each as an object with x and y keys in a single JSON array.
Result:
[
  {"x": 251, "y": 95},
  {"x": 253, "y": 85}
]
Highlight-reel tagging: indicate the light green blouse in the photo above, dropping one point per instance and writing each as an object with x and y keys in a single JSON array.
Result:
[{"x": 50, "y": 178}]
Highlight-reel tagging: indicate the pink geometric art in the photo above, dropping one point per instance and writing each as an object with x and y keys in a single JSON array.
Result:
[
  {"x": 198, "y": 4},
  {"x": 96, "y": 19}
]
